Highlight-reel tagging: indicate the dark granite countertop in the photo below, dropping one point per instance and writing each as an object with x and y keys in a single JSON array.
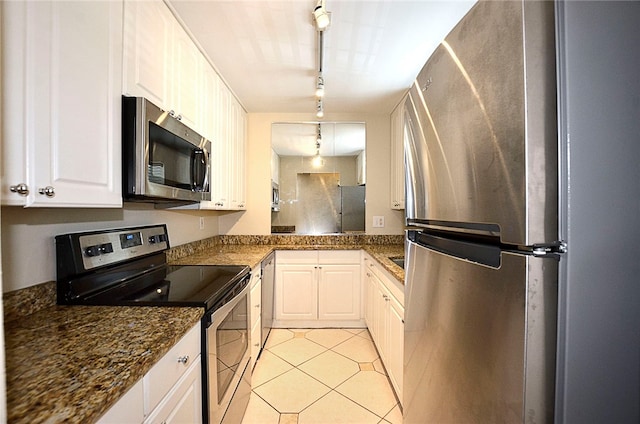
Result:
[{"x": 72, "y": 363}]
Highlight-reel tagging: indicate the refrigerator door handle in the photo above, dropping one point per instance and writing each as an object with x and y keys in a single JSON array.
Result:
[{"x": 483, "y": 254}]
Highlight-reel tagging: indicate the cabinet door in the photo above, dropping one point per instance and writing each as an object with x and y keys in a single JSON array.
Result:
[
  {"x": 397, "y": 158},
  {"x": 14, "y": 119},
  {"x": 339, "y": 292},
  {"x": 296, "y": 294},
  {"x": 71, "y": 107},
  {"x": 183, "y": 403},
  {"x": 186, "y": 83},
  {"x": 255, "y": 296},
  {"x": 221, "y": 150},
  {"x": 395, "y": 347},
  {"x": 128, "y": 409},
  {"x": 255, "y": 310},
  {"x": 148, "y": 29},
  {"x": 256, "y": 332},
  {"x": 239, "y": 140},
  {"x": 371, "y": 289},
  {"x": 380, "y": 319}
]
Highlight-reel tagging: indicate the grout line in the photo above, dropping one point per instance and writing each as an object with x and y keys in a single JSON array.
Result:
[{"x": 371, "y": 365}]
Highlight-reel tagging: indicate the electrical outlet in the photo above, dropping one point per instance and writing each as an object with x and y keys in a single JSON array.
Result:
[
  {"x": 202, "y": 223},
  {"x": 378, "y": 222}
]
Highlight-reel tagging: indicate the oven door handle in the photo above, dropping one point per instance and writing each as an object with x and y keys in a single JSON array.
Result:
[{"x": 215, "y": 316}]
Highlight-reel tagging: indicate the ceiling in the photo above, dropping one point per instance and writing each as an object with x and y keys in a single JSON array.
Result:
[{"x": 266, "y": 50}]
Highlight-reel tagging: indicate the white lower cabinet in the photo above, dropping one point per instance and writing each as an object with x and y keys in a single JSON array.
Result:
[
  {"x": 384, "y": 315},
  {"x": 318, "y": 288},
  {"x": 183, "y": 403},
  {"x": 339, "y": 292},
  {"x": 128, "y": 410},
  {"x": 296, "y": 292},
  {"x": 171, "y": 392},
  {"x": 255, "y": 302}
]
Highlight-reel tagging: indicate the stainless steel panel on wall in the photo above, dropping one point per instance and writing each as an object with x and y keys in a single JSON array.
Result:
[
  {"x": 482, "y": 145},
  {"x": 319, "y": 204},
  {"x": 479, "y": 341}
]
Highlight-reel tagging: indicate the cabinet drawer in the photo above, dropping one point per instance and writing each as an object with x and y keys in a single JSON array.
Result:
[
  {"x": 255, "y": 304},
  {"x": 163, "y": 375},
  {"x": 339, "y": 257},
  {"x": 296, "y": 257}
]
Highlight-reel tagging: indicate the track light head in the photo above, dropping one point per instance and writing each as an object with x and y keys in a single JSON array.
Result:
[
  {"x": 319, "y": 109},
  {"x": 320, "y": 87},
  {"x": 321, "y": 16}
]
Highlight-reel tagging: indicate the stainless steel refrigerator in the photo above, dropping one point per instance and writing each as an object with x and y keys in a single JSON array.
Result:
[
  {"x": 352, "y": 201},
  {"x": 482, "y": 260}
]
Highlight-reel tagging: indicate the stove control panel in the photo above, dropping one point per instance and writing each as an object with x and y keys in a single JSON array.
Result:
[{"x": 86, "y": 251}]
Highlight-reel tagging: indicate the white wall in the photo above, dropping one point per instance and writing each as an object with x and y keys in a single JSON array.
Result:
[
  {"x": 28, "y": 254},
  {"x": 257, "y": 218},
  {"x": 599, "y": 314}
]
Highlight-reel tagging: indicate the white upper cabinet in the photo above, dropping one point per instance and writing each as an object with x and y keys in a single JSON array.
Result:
[
  {"x": 161, "y": 62},
  {"x": 397, "y": 157},
  {"x": 238, "y": 142},
  {"x": 228, "y": 156},
  {"x": 148, "y": 31},
  {"x": 186, "y": 74},
  {"x": 61, "y": 104}
]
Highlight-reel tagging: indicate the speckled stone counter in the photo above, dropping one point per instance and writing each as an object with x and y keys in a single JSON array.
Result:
[
  {"x": 72, "y": 363},
  {"x": 244, "y": 253}
]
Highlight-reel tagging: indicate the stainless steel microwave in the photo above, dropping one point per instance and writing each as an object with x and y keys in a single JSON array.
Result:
[{"x": 163, "y": 160}]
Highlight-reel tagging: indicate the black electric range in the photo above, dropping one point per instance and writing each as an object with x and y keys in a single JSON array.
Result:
[{"x": 127, "y": 267}]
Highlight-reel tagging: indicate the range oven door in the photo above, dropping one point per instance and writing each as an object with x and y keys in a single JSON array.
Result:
[{"x": 226, "y": 372}]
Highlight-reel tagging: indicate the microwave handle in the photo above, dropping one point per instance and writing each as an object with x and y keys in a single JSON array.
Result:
[{"x": 198, "y": 178}]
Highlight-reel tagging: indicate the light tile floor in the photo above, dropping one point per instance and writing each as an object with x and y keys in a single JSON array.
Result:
[{"x": 321, "y": 376}]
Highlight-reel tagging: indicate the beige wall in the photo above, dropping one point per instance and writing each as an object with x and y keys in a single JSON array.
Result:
[
  {"x": 257, "y": 218},
  {"x": 28, "y": 254}
]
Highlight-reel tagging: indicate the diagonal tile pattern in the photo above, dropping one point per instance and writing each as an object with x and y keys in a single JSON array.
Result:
[{"x": 321, "y": 376}]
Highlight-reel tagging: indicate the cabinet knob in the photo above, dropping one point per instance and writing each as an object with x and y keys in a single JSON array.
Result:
[
  {"x": 257, "y": 345},
  {"x": 22, "y": 189},
  {"x": 258, "y": 305},
  {"x": 47, "y": 191},
  {"x": 183, "y": 359}
]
